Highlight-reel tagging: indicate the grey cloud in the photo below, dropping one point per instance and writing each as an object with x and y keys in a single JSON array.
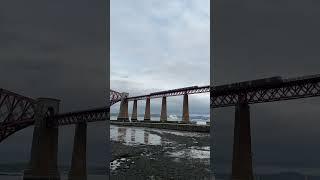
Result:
[
  {"x": 256, "y": 39},
  {"x": 160, "y": 45},
  {"x": 54, "y": 49}
]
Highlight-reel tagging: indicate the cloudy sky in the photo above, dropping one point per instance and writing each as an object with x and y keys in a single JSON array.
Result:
[
  {"x": 160, "y": 45},
  {"x": 54, "y": 49},
  {"x": 257, "y": 39}
]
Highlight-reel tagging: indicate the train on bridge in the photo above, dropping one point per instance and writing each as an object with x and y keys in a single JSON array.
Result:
[
  {"x": 174, "y": 90},
  {"x": 264, "y": 82}
]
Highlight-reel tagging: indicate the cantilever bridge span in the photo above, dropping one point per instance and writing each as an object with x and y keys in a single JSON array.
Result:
[
  {"x": 248, "y": 92},
  {"x": 173, "y": 92},
  {"x": 240, "y": 95},
  {"x": 124, "y": 116},
  {"x": 18, "y": 112},
  {"x": 277, "y": 90}
]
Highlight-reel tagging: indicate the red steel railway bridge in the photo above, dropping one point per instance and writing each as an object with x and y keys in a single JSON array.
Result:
[
  {"x": 18, "y": 112},
  {"x": 240, "y": 95}
]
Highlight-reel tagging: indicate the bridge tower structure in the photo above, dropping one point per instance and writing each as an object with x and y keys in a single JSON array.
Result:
[
  {"x": 164, "y": 115},
  {"x": 134, "y": 116},
  {"x": 185, "y": 109},
  {"x": 147, "y": 115},
  {"x": 44, "y": 151},
  {"x": 19, "y": 112},
  {"x": 242, "y": 155},
  {"x": 123, "y": 113},
  {"x": 78, "y": 170}
]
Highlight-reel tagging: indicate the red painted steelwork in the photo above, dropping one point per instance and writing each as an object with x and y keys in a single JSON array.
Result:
[{"x": 174, "y": 92}]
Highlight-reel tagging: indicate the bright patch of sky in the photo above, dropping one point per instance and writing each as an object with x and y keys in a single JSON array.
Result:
[{"x": 160, "y": 45}]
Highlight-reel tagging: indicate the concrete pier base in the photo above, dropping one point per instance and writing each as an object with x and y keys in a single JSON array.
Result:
[
  {"x": 147, "y": 116},
  {"x": 163, "y": 115},
  {"x": 123, "y": 113},
  {"x": 134, "y": 116},
  {"x": 43, "y": 161},
  {"x": 185, "y": 110},
  {"x": 78, "y": 169},
  {"x": 242, "y": 158}
]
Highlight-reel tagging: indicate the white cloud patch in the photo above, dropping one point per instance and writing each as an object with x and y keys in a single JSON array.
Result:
[{"x": 159, "y": 45}]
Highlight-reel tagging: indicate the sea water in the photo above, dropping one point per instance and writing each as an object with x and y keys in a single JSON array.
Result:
[{"x": 200, "y": 119}]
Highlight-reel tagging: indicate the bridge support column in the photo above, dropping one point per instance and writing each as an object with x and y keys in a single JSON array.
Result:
[
  {"x": 123, "y": 114},
  {"x": 44, "y": 150},
  {"x": 242, "y": 159},
  {"x": 134, "y": 117},
  {"x": 147, "y": 112},
  {"x": 78, "y": 169},
  {"x": 163, "y": 116},
  {"x": 185, "y": 111}
]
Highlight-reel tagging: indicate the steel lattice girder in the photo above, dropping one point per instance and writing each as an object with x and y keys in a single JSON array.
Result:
[
  {"x": 116, "y": 96},
  {"x": 284, "y": 91},
  {"x": 178, "y": 92},
  {"x": 98, "y": 114},
  {"x": 16, "y": 113}
]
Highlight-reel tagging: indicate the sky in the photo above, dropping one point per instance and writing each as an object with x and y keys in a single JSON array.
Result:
[
  {"x": 257, "y": 39},
  {"x": 160, "y": 45},
  {"x": 54, "y": 49}
]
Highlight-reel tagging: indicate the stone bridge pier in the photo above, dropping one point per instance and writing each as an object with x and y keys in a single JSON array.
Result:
[
  {"x": 78, "y": 169},
  {"x": 134, "y": 117},
  {"x": 147, "y": 115},
  {"x": 185, "y": 109},
  {"x": 123, "y": 114},
  {"x": 43, "y": 160},
  {"x": 163, "y": 115},
  {"x": 242, "y": 156}
]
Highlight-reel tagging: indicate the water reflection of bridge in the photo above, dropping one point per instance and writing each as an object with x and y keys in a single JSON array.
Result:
[{"x": 134, "y": 136}]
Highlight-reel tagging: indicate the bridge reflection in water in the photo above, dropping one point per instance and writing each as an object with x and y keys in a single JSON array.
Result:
[{"x": 134, "y": 136}]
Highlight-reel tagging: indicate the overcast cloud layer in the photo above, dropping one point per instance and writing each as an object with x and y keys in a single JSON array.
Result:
[
  {"x": 54, "y": 49},
  {"x": 160, "y": 45}
]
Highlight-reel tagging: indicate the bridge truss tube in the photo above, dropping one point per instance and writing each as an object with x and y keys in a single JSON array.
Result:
[{"x": 44, "y": 150}]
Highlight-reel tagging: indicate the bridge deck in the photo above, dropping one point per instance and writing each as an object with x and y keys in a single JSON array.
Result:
[{"x": 171, "y": 126}]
